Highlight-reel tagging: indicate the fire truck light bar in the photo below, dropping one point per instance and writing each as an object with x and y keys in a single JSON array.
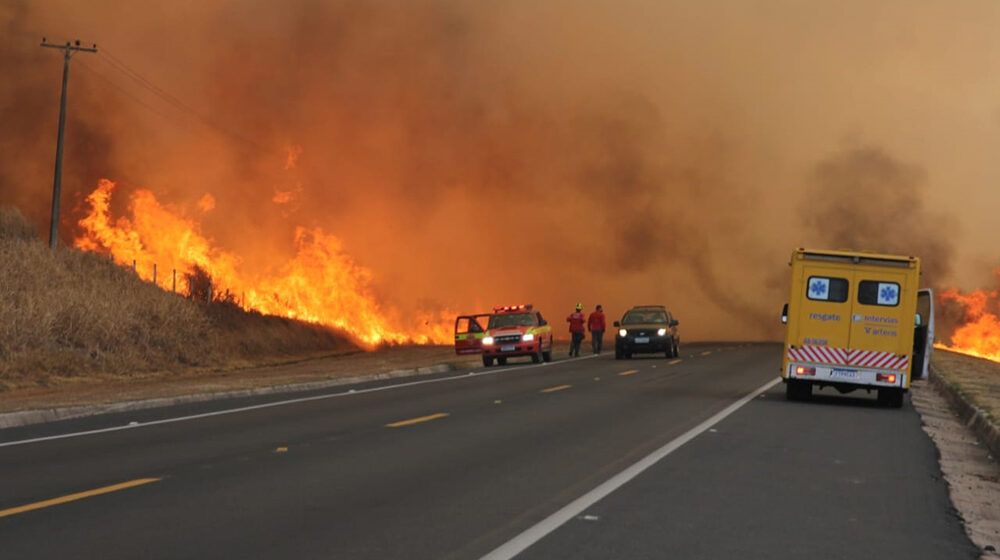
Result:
[{"x": 507, "y": 308}]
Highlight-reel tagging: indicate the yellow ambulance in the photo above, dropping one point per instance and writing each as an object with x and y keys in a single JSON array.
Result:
[{"x": 850, "y": 323}]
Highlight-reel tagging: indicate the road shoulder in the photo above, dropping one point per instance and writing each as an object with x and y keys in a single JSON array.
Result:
[
  {"x": 25, "y": 407},
  {"x": 969, "y": 468}
]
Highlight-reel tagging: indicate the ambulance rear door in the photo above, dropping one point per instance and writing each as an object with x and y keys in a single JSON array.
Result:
[
  {"x": 882, "y": 317},
  {"x": 822, "y": 313},
  {"x": 923, "y": 334}
]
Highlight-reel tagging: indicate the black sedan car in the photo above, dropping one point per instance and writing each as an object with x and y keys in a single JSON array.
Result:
[{"x": 647, "y": 329}]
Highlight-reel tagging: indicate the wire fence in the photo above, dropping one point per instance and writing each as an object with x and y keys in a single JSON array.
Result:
[{"x": 196, "y": 285}]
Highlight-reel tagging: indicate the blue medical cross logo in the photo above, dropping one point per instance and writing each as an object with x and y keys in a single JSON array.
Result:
[
  {"x": 818, "y": 288},
  {"x": 888, "y": 293}
]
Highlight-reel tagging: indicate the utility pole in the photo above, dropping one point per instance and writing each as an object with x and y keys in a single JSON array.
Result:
[{"x": 57, "y": 182}]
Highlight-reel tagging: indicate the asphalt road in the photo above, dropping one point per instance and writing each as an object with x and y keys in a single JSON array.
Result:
[{"x": 498, "y": 463}]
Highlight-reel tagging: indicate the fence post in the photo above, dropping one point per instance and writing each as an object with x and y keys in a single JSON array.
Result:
[
  {"x": 174, "y": 288},
  {"x": 208, "y": 293},
  {"x": 154, "y": 274},
  {"x": 133, "y": 266}
]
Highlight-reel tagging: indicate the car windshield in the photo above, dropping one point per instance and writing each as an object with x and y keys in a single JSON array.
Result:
[
  {"x": 644, "y": 317},
  {"x": 512, "y": 320}
]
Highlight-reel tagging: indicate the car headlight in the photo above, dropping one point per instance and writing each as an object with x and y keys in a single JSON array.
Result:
[
  {"x": 528, "y": 337},
  {"x": 622, "y": 333},
  {"x": 487, "y": 341},
  {"x": 662, "y": 332}
]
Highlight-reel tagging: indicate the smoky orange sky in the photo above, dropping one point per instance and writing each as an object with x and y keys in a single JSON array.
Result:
[{"x": 479, "y": 153}]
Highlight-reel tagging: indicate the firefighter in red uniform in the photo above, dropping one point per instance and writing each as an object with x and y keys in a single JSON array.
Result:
[
  {"x": 595, "y": 324},
  {"x": 576, "y": 321}
]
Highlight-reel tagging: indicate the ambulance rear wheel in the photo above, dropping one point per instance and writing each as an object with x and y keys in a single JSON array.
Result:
[
  {"x": 892, "y": 398},
  {"x": 487, "y": 361},
  {"x": 547, "y": 354},
  {"x": 502, "y": 361},
  {"x": 798, "y": 390}
]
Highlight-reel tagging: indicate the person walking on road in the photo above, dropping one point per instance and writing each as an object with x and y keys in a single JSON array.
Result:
[
  {"x": 576, "y": 322},
  {"x": 595, "y": 324}
]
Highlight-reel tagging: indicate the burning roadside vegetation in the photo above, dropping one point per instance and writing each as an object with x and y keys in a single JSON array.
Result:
[
  {"x": 969, "y": 323},
  {"x": 69, "y": 316}
]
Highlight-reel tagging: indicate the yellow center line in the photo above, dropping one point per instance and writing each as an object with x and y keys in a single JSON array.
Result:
[
  {"x": 629, "y": 372},
  {"x": 706, "y": 352},
  {"x": 77, "y": 496},
  {"x": 412, "y": 421},
  {"x": 556, "y": 388},
  {"x": 672, "y": 362}
]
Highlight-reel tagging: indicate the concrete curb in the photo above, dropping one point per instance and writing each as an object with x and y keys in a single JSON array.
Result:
[
  {"x": 972, "y": 416},
  {"x": 28, "y": 417}
]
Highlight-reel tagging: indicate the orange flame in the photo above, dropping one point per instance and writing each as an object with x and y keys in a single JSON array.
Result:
[
  {"x": 979, "y": 333},
  {"x": 321, "y": 284}
]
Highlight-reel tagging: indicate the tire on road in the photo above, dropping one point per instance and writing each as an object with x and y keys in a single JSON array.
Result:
[
  {"x": 487, "y": 361},
  {"x": 798, "y": 390},
  {"x": 502, "y": 361},
  {"x": 891, "y": 398}
]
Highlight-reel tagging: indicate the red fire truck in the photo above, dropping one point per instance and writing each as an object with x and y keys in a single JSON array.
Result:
[{"x": 516, "y": 330}]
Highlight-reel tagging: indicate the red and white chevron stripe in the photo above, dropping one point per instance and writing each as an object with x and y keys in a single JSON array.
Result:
[
  {"x": 824, "y": 354},
  {"x": 842, "y": 356}
]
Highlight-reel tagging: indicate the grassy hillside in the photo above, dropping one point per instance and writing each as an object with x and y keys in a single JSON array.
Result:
[{"x": 66, "y": 316}]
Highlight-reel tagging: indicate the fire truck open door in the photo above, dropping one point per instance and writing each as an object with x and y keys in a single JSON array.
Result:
[{"x": 469, "y": 332}]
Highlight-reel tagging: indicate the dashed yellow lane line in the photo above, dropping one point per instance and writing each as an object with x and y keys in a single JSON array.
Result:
[
  {"x": 556, "y": 388},
  {"x": 629, "y": 372},
  {"x": 706, "y": 352},
  {"x": 77, "y": 496},
  {"x": 412, "y": 421},
  {"x": 672, "y": 362}
]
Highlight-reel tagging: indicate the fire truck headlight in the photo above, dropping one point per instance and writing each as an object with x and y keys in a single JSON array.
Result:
[
  {"x": 662, "y": 332},
  {"x": 622, "y": 333},
  {"x": 487, "y": 341},
  {"x": 528, "y": 337}
]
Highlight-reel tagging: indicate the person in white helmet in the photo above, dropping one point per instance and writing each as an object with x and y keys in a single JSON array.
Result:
[{"x": 577, "y": 329}]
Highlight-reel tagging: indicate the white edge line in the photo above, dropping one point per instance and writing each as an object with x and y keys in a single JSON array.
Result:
[
  {"x": 535, "y": 533},
  {"x": 347, "y": 393}
]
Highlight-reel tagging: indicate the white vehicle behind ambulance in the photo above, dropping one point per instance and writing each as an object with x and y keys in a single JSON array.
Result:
[{"x": 850, "y": 323}]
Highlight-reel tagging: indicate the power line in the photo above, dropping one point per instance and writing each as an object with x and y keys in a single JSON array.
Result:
[
  {"x": 124, "y": 92},
  {"x": 116, "y": 63},
  {"x": 140, "y": 80}
]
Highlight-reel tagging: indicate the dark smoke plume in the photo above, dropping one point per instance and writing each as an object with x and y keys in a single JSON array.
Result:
[{"x": 864, "y": 199}]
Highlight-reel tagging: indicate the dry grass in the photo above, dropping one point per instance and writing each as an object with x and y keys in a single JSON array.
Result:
[
  {"x": 977, "y": 379},
  {"x": 68, "y": 315}
]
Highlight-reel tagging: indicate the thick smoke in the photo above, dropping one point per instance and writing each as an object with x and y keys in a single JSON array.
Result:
[
  {"x": 481, "y": 153},
  {"x": 864, "y": 199}
]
